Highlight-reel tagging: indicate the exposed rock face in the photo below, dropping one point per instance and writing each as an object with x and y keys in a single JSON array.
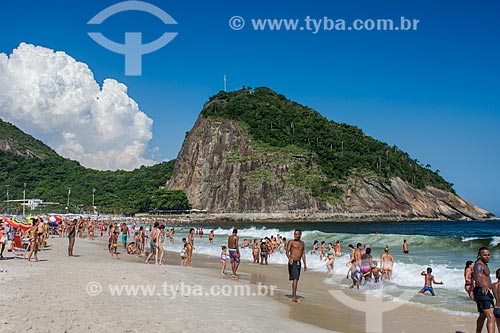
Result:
[
  {"x": 402, "y": 200},
  {"x": 221, "y": 170},
  {"x": 7, "y": 146}
]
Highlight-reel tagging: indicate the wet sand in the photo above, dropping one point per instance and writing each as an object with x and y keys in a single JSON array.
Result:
[
  {"x": 51, "y": 295},
  {"x": 321, "y": 309}
]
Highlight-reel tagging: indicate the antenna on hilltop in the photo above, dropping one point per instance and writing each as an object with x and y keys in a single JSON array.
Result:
[{"x": 225, "y": 87}]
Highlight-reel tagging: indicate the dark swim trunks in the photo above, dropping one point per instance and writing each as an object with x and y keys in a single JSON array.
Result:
[
  {"x": 294, "y": 270},
  {"x": 483, "y": 301},
  {"x": 233, "y": 255}
]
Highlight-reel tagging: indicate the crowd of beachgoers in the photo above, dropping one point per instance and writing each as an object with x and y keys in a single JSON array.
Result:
[{"x": 147, "y": 237}]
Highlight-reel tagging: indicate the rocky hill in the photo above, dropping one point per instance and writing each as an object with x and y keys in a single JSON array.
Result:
[{"x": 224, "y": 166}]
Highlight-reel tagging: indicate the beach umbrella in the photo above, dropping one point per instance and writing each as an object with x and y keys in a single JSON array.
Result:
[{"x": 55, "y": 219}]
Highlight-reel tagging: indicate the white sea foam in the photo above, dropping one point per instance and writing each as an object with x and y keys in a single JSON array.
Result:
[{"x": 495, "y": 241}]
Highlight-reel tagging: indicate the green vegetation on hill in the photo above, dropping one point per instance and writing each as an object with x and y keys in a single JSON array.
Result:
[
  {"x": 125, "y": 192},
  {"x": 340, "y": 150},
  {"x": 23, "y": 141}
]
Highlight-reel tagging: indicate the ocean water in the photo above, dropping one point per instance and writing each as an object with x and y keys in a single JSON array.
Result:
[{"x": 443, "y": 246}]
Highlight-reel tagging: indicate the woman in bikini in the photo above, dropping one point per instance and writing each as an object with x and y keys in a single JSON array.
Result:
[
  {"x": 315, "y": 247},
  {"x": 255, "y": 251},
  {"x": 330, "y": 255},
  {"x": 469, "y": 281}
]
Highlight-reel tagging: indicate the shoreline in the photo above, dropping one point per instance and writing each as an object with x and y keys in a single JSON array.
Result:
[
  {"x": 285, "y": 217},
  {"x": 94, "y": 263}
]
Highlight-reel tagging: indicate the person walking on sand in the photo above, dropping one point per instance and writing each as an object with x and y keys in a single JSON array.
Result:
[
  {"x": 295, "y": 253},
  {"x": 223, "y": 258},
  {"x": 160, "y": 251},
  {"x": 429, "y": 279},
  {"x": 482, "y": 294},
  {"x": 152, "y": 242},
  {"x": 71, "y": 237},
  {"x": 234, "y": 252},
  {"x": 33, "y": 235}
]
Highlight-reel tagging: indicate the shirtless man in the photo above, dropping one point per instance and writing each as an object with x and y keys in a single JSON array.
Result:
[
  {"x": 40, "y": 230},
  {"x": 387, "y": 261},
  {"x": 405, "y": 247},
  {"x": 429, "y": 279},
  {"x": 295, "y": 253},
  {"x": 125, "y": 234},
  {"x": 211, "y": 236},
  {"x": 482, "y": 294},
  {"x": 357, "y": 254},
  {"x": 234, "y": 252}
]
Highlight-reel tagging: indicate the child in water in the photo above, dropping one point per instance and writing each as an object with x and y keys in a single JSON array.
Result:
[
  {"x": 429, "y": 279},
  {"x": 223, "y": 258},
  {"x": 355, "y": 272}
]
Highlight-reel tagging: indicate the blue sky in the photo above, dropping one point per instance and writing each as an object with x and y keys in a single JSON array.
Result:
[{"x": 433, "y": 92}]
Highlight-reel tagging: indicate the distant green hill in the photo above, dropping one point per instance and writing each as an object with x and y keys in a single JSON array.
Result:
[
  {"x": 48, "y": 176},
  {"x": 338, "y": 149}
]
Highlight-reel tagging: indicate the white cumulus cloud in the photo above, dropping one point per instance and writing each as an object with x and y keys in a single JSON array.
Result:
[{"x": 56, "y": 99}]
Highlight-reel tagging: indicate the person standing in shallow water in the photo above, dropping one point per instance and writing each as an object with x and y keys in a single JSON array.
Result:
[
  {"x": 469, "y": 285},
  {"x": 386, "y": 262},
  {"x": 482, "y": 293},
  {"x": 405, "y": 247},
  {"x": 429, "y": 279},
  {"x": 295, "y": 253}
]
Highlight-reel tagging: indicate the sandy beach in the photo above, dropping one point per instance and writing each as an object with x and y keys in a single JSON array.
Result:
[{"x": 76, "y": 294}]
